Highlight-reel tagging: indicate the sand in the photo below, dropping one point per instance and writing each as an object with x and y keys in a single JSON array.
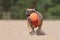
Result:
[{"x": 18, "y": 30}]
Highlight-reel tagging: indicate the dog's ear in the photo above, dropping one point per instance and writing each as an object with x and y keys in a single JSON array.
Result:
[
  {"x": 27, "y": 8},
  {"x": 35, "y": 9}
]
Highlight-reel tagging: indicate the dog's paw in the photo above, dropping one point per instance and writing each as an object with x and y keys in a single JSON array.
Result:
[{"x": 32, "y": 32}]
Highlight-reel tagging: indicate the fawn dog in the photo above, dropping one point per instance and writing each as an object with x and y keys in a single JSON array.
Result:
[{"x": 34, "y": 19}]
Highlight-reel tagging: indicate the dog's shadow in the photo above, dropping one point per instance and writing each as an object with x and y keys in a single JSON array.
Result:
[{"x": 40, "y": 34}]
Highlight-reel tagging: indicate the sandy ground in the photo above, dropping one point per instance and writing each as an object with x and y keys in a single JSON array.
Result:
[{"x": 18, "y": 30}]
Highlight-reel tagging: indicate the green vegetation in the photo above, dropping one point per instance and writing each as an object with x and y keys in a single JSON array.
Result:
[{"x": 15, "y": 9}]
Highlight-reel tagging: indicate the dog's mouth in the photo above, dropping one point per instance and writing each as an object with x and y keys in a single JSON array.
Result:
[{"x": 28, "y": 15}]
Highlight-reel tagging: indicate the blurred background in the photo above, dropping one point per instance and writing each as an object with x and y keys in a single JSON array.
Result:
[{"x": 15, "y": 9}]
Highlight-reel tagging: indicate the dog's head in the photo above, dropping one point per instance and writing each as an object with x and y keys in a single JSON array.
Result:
[{"x": 29, "y": 11}]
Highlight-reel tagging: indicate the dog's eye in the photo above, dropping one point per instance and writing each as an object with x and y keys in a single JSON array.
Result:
[
  {"x": 27, "y": 11},
  {"x": 32, "y": 11}
]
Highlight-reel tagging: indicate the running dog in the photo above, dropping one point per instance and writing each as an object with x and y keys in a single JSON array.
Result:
[{"x": 34, "y": 19}]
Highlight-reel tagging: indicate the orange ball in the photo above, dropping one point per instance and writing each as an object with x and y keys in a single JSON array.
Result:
[{"x": 33, "y": 17}]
